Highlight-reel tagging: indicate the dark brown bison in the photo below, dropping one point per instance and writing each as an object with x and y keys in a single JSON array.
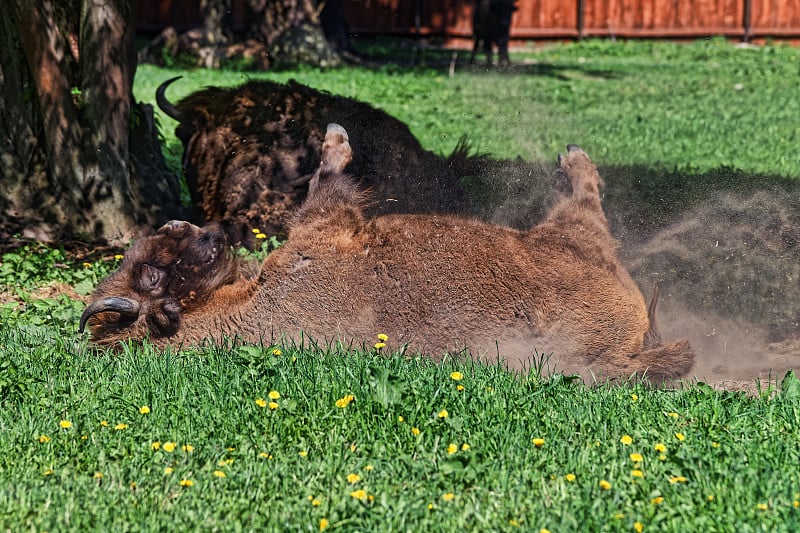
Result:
[
  {"x": 434, "y": 284},
  {"x": 250, "y": 151}
]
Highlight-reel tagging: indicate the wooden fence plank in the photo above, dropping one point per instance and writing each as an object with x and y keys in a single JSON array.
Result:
[{"x": 534, "y": 19}]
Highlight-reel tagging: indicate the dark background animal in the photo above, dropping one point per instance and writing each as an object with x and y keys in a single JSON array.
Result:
[
  {"x": 433, "y": 283},
  {"x": 250, "y": 151},
  {"x": 491, "y": 25}
]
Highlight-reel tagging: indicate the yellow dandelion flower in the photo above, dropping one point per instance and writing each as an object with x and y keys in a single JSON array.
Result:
[
  {"x": 87, "y": 265},
  {"x": 456, "y": 376},
  {"x": 680, "y": 436},
  {"x": 274, "y": 395},
  {"x": 265, "y": 455},
  {"x": 188, "y": 448},
  {"x": 379, "y": 345},
  {"x": 605, "y": 485},
  {"x": 353, "y": 448},
  {"x": 323, "y": 524},
  {"x": 369, "y": 468},
  {"x": 65, "y": 424},
  {"x": 415, "y": 431},
  {"x": 302, "y": 453},
  {"x": 658, "y": 500},
  {"x": 626, "y": 440},
  {"x": 619, "y": 516},
  {"x": 119, "y": 257},
  {"x": 710, "y": 497},
  {"x": 155, "y": 445},
  {"x": 120, "y": 427},
  {"x": 353, "y": 478},
  {"x": 261, "y": 402},
  {"x": 448, "y": 497},
  {"x": 345, "y": 401},
  {"x": 636, "y": 457},
  {"x": 430, "y": 507},
  {"x": 465, "y": 447},
  {"x": 273, "y": 405},
  {"x": 261, "y": 236},
  {"x": 677, "y": 479},
  {"x": 715, "y": 444},
  {"x": 570, "y": 477},
  {"x": 316, "y": 502},
  {"x": 47, "y": 472},
  {"x": 538, "y": 442},
  {"x": 673, "y": 415},
  {"x": 660, "y": 448},
  {"x": 383, "y": 337},
  {"x": 452, "y": 448},
  {"x": 443, "y": 413},
  {"x": 169, "y": 470},
  {"x": 359, "y": 494},
  {"x": 231, "y": 449},
  {"x": 637, "y": 473},
  {"x": 104, "y": 423},
  {"x": 662, "y": 457},
  {"x": 513, "y": 523},
  {"x": 400, "y": 419},
  {"x": 186, "y": 483},
  {"x": 763, "y": 506},
  {"x": 43, "y": 439},
  {"x": 256, "y": 231},
  {"x": 169, "y": 447},
  {"x": 638, "y": 526},
  {"x": 145, "y": 410},
  {"x": 276, "y": 352},
  {"x": 634, "y": 397},
  {"x": 489, "y": 389},
  {"x": 459, "y": 387},
  {"x": 796, "y": 504},
  {"x": 219, "y": 473},
  {"x": 544, "y": 530},
  {"x": 98, "y": 475}
]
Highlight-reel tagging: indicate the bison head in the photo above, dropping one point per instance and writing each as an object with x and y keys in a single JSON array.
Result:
[{"x": 161, "y": 277}]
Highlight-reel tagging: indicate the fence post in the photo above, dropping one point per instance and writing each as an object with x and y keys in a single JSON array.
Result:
[
  {"x": 581, "y": 5},
  {"x": 747, "y": 23}
]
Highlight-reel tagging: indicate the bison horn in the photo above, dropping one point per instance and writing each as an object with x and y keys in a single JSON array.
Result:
[
  {"x": 124, "y": 306},
  {"x": 165, "y": 105}
]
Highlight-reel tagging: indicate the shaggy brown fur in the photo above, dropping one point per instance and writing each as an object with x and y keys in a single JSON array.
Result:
[
  {"x": 432, "y": 283},
  {"x": 250, "y": 151}
]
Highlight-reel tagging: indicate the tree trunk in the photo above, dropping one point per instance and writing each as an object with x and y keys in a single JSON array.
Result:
[
  {"x": 67, "y": 72},
  {"x": 292, "y": 32}
]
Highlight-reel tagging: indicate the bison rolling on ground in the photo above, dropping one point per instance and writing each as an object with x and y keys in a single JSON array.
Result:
[{"x": 434, "y": 284}]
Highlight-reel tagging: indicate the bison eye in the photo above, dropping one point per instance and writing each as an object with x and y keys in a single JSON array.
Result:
[{"x": 150, "y": 277}]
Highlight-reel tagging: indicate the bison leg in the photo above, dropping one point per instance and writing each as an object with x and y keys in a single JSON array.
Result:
[
  {"x": 332, "y": 195},
  {"x": 583, "y": 176}
]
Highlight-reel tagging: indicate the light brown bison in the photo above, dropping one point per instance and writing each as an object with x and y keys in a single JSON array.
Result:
[
  {"x": 434, "y": 284},
  {"x": 249, "y": 152}
]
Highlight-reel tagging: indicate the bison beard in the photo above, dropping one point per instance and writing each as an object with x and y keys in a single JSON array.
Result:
[{"x": 433, "y": 283}]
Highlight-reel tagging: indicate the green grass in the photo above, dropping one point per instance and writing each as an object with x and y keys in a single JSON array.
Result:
[
  {"x": 104, "y": 469},
  {"x": 631, "y": 105}
]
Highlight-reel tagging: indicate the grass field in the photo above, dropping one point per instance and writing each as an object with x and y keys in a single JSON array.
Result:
[{"x": 323, "y": 438}]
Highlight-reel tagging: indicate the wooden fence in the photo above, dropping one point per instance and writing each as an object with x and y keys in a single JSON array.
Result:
[{"x": 536, "y": 19}]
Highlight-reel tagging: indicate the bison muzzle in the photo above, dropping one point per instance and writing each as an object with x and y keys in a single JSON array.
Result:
[{"x": 434, "y": 284}]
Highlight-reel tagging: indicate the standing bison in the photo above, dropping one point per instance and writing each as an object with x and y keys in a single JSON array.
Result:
[
  {"x": 432, "y": 283},
  {"x": 250, "y": 151}
]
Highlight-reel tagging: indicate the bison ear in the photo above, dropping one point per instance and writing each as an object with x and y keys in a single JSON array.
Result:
[{"x": 150, "y": 277}]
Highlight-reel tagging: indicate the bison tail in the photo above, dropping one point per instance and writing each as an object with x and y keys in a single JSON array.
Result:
[{"x": 665, "y": 363}]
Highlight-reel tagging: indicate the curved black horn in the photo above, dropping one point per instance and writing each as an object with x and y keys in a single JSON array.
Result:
[
  {"x": 124, "y": 306},
  {"x": 165, "y": 105}
]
